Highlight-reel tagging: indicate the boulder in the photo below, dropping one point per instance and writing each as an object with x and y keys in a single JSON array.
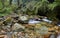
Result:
[
  {"x": 32, "y": 21},
  {"x": 23, "y": 18},
  {"x": 47, "y": 20},
  {"x": 17, "y": 26},
  {"x": 43, "y": 30}
]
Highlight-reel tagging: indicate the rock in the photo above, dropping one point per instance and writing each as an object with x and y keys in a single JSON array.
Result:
[
  {"x": 58, "y": 24},
  {"x": 46, "y": 20},
  {"x": 43, "y": 30},
  {"x": 2, "y": 31},
  {"x": 8, "y": 19},
  {"x": 13, "y": 15},
  {"x": 38, "y": 26},
  {"x": 17, "y": 26},
  {"x": 58, "y": 36},
  {"x": 6, "y": 36},
  {"x": 23, "y": 18},
  {"x": 16, "y": 18},
  {"x": 1, "y": 19},
  {"x": 15, "y": 34},
  {"x": 32, "y": 21},
  {"x": 1, "y": 22},
  {"x": 52, "y": 36},
  {"x": 6, "y": 28}
]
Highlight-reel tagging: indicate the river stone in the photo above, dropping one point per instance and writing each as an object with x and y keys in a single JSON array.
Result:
[
  {"x": 1, "y": 19},
  {"x": 23, "y": 18},
  {"x": 17, "y": 26},
  {"x": 58, "y": 36},
  {"x": 52, "y": 36},
  {"x": 33, "y": 21},
  {"x": 43, "y": 30},
  {"x": 47, "y": 20}
]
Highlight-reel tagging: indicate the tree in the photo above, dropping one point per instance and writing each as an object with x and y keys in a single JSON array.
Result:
[
  {"x": 18, "y": 2},
  {"x": 10, "y": 2}
]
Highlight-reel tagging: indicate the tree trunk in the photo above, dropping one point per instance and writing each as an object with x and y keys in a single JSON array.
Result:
[
  {"x": 18, "y": 2},
  {"x": 10, "y": 2}
]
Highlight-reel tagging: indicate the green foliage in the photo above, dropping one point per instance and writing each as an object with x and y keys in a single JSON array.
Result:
[
  {"x": 31, "y": 8},
  {"x": 7, "y": 10},
  {"x": 1, "y": 6}
]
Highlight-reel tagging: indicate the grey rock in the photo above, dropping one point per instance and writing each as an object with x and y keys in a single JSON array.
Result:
[{"x": 17, "y": 26}]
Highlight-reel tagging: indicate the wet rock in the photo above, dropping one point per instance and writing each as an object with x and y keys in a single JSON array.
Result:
[
  {"x": 15, "y": 18},
  {"x": 32, "y": 21},
  {"x": 23, "y": 18},
  {"x": 38, "y": 26},
  {"x": 19, "y": 30},
  {"x": 6, "y": 36},
  {"x": 2, "y": 31},
  {"x": 17, "y": 26},
  {"x": 1, "y": 23},
  {"x": 26, "y": 35},
  {"x": 6, "y": 28},
  {"x": 21, "y": 22},
  {"x": 58, "y": 23},
  {"x": 13, "y": 15},
  {"x": 58, "y": 36},
  {"x": 46, "y": 20},
  {"x": 52, "y": 36},
  {"x": 7, "y": 21},
  {"x": 1, "y": 19},
  {"x": 43, "y": 30},
  {"x": 15, "y": 34}
]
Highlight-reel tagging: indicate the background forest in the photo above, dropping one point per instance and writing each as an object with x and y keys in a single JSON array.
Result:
[{"x": 49, "y": 8}]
